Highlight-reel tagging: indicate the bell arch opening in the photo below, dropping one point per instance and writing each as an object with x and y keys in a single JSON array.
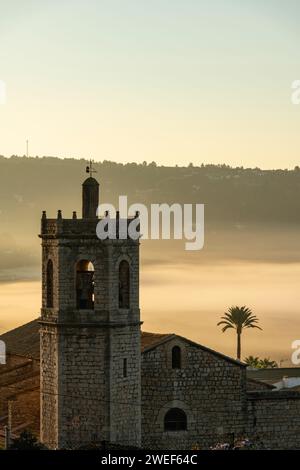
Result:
[{"x": 85, "y": 285}]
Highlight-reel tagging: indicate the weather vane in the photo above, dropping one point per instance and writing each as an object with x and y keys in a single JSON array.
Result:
[{"x": 90, "y": 169}]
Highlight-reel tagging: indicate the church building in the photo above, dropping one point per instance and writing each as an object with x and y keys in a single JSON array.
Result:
[{"x": 84, "y": 372}]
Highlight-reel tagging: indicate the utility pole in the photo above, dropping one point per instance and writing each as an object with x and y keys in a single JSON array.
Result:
[
  {"x": 27, "y": 148},
  {"x": 8, "y": 429},
  {"x": 7, "y": 437}
]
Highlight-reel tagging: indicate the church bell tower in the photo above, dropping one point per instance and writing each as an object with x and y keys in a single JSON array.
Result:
[{"x": 90, "y": 332}]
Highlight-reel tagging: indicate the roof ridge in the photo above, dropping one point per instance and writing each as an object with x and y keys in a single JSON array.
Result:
[{"x": 213, "y": 351}]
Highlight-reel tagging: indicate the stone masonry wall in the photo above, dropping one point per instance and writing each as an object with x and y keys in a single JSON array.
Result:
[
  {"x": 125, "y": 344},
  {"x": 49, "y": 386},
  {"x": 212, "y": 392},
  {"x": 83, "y": 386},
  {"x": 273, "y": 419},
  {"x": 125, "y": 386},
  {"x": 210, "y": 389}
]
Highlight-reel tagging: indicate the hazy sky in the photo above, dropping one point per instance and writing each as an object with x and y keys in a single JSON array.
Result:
[{"x": 167, "y": 80}]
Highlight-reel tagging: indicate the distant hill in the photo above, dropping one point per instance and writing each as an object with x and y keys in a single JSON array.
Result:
[
  {"x": 238, "y": 202},
  {"x": 231, "y": 195}
]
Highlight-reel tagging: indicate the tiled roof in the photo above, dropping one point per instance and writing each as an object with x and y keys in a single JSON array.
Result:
[
  {"x": 25, "y": 340},
  {"x": 272, "y": 376},
  {"x": 150, "y": 340}
]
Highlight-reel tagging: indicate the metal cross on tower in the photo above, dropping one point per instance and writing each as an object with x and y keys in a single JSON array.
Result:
[{"x": 90, "y": 169}]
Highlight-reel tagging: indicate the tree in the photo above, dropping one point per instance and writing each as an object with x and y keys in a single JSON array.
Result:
[
  {"x": 252, "y": 361},
  {"x": 266, "y": 363},
  {"x": 258, "y": 363},
  {"x": 239, "y": 318}
]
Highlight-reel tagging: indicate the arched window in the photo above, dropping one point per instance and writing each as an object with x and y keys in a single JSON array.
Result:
[
  {"x": 175, "y": 420},
  {"x": 124, "y": 284},
  {"x": 125, "y": 367},
  {"x": 85, "y": 285},
  {"x": 176, "y": 357},
  {"x": 49, "y": 283}
]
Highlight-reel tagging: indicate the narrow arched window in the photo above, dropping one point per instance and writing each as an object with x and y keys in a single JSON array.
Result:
[
  {"x": 176, "y": 357},
  {"x": 85, "y": 285},
  {"x": 125, "y": 367},
  {"x": 175, "y": 420},
  {"x": 49, "y": 284},
  {"x": 124, "y": 284}
]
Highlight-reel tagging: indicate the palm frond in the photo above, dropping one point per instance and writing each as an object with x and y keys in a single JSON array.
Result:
[{"x": 239, "y": 318}]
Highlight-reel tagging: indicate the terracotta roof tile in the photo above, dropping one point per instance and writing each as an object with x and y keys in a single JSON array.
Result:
[
  {"x": 150, "y": 340},
  {"x": 25, "y": 340}
]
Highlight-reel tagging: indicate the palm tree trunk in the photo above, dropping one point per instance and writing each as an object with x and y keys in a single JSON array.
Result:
[{"x": 238, "y": 353}]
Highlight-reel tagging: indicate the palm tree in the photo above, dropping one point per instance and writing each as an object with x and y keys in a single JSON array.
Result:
[
  {"x": 238, "y": 318},
  {"x": 252, "y": 361},
  {"x": 267, "y": 363},
  {"x": 257, "y": 363}
]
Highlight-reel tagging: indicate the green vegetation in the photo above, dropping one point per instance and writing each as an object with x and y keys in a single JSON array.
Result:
[{"x": 257, "y": 363}]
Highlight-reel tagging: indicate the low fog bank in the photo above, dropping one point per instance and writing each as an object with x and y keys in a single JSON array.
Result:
[
  {"x": 18, "y": 261},
  {"x": 252, "y": 244}
]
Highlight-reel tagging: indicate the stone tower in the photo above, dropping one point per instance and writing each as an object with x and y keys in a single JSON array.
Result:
[{"x": 90, "y": 332}]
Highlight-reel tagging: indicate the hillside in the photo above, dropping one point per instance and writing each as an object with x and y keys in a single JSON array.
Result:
[
  {"x": 231, "y": 195},
  {"x": 248, "y": 212}
]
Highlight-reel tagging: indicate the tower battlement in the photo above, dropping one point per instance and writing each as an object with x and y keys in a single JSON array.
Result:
[{"x": 61, "y": 228}]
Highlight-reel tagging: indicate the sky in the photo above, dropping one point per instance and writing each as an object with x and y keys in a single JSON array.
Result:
[{"x": 167, "y": 81}]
